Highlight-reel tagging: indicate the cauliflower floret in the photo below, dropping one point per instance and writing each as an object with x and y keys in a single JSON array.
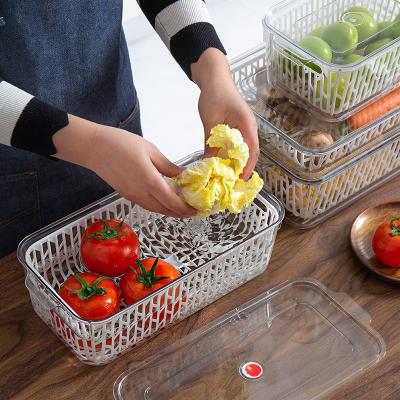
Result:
[
  {"x": 231, "y": 146},
  {"x": 213, "y": 185}
]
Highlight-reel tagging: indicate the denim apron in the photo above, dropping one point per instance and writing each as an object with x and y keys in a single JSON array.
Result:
[{"x": 72, "y": 55}]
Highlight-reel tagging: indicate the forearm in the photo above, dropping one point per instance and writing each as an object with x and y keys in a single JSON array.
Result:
[
  {"x": 26, "y": 122},
  {"x": 30, "y": 124},
  {"x": 184, "y": 26},
  {"x": 75, "y": 141},
  {"x": 211, "y": 66}
]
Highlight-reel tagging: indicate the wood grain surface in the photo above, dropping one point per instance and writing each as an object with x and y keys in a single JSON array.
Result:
[{"x": 35, "y": 365}]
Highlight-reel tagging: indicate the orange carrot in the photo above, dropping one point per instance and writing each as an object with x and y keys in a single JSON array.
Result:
[{"x": 375, "y": 110}]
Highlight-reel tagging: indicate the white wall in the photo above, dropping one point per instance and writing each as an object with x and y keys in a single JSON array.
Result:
[{"x": 131, "y": 9}]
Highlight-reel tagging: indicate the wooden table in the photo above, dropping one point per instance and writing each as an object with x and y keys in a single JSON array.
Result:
[{"x": 35, "y": 365}]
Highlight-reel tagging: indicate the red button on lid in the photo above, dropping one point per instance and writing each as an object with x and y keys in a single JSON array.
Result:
[{"x": 251, "y": 370}]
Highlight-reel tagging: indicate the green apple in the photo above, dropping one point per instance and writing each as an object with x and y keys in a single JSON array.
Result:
[
  {"x": 317, "y": 47},
  {"x": 393, "y": 32},
  {"x": 365, "y": 24},
  {"x": 342, "y": 37},
  {"x": 349, "y": 59},
  {"x": 384, "y": 30},
  {"x": 364, "y": 71},
  {"x": 317, "y": 31},
  {"x": 335, "y": 88},
  {"x": 358, "y": 9},
  {"x": 377, "y": 45},
  {"x": 314, "y": 45}
]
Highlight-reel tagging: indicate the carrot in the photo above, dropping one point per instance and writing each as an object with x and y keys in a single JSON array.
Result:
[{"x": 374, "y": 110}]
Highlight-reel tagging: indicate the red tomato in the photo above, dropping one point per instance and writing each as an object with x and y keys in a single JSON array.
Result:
[
  {"x": 145, "y": 277},
  {"x": 386, "y": 242},
  {"x": 91, "y": 296},
  {"x": 109, "y": 247}
]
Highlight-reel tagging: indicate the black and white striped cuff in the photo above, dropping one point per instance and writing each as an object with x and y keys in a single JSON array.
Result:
[
  {"x": 184, "y": 26},
  {"x": 28, "y": 123},
  {"x": 189, "y": 44}
]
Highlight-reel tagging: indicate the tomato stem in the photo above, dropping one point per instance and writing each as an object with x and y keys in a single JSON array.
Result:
[
  {"x": 148, "y": 278},
  {"x": 107, "y": 232},
  {"x": 395, "y": 228},
  {"x": 86, "y": 291}
]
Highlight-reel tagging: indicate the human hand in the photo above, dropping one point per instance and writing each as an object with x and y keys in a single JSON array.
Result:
[
  {"x": 127, "y": 162},
  {"x": 221, "y": 103}
]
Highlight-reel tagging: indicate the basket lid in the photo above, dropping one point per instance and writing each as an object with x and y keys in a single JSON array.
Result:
[{"x": 296, "y": 341}]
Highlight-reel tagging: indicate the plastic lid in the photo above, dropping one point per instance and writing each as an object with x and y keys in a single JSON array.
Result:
[
  {"x": 336, "y": 33},
  {"x": 294, "y": 342}
]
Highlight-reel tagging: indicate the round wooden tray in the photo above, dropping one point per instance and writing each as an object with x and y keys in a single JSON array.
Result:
[{"x": 362, "y": 231}]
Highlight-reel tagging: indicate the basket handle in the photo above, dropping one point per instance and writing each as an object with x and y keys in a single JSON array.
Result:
[
  {"x": 35, "y": 290},
  {"x": 62, "y": 322},
  {"x": 52, "y": 308}
]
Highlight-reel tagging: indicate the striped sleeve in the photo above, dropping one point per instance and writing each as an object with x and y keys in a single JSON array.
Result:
[
  {"x": 26, "y": 122},
  {"x": 184, "y": 26}
]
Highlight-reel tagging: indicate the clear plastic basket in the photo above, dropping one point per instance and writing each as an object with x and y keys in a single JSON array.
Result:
[
  {"x": 309, "y": 201},
  {"x": 278, "y": 132},
  {"x": 332, "y": 89},
  {"x": 215, "y": 255},
  {"x": 305, "y": 339}
]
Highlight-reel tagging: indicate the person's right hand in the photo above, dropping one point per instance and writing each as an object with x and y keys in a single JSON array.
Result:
[{"x": 127, "y": 162}]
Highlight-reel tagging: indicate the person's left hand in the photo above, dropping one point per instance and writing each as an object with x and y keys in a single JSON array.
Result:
[{"x": 221, "y": 103}]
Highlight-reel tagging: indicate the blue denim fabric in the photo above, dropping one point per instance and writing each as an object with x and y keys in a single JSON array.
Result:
[{"x": 72, "y": 55}]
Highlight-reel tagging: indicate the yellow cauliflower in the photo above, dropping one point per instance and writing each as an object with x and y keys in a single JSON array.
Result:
[
  {"x": 305, "y": 194},
  {"x": 213, "y": 185}
]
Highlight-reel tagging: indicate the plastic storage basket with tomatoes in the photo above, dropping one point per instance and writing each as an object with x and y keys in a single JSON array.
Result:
[{"x": 213, "y": 256}]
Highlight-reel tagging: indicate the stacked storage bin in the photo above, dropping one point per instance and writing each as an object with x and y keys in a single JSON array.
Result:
[{"x": 329, "y": 130}]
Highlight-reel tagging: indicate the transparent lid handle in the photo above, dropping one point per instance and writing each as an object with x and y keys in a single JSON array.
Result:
[{"x": 353, "y": 308}]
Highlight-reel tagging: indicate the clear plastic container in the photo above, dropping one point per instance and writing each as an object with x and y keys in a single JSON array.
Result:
[
  {"x": 305, "y": 340},
  {"x": 329, "y": 87},
  {"x": 312, "y": 198},
  {"x": 287, "y": 130},
  {"x": 215, "y": 255}
]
